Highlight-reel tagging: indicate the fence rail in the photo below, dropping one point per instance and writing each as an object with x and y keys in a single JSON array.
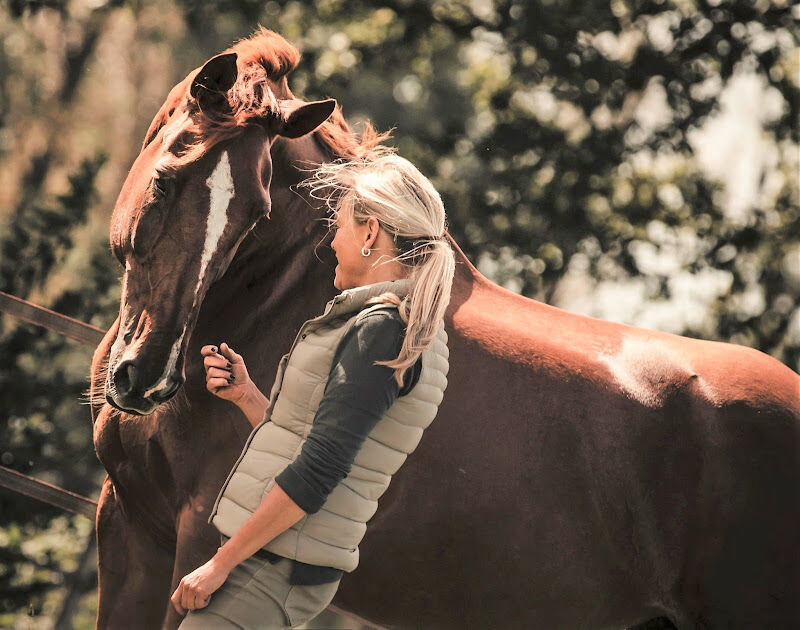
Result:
[
  {"x": 79, "y": 331},
  {"x": 47, "y": 492},
  {"x": 41, "y": 316}
]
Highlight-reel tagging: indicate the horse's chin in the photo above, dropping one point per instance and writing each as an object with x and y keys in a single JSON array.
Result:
[{"x": 136, "y": 411}]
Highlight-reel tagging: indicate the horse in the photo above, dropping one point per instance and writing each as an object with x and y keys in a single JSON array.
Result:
[{"x": 580, "y": 473}]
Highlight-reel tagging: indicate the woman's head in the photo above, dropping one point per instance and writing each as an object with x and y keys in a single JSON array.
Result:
[
  {"x": 362, "y": 252},
  {"x": 383, "y": 206}
]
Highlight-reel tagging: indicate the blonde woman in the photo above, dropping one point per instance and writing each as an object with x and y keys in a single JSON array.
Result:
[{"x": 350, "y": 400}]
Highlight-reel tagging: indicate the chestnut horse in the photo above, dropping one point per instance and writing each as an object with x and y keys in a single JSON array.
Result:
[{"x": 580, "y": 473}]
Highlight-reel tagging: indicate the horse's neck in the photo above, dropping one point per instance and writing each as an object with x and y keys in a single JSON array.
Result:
[{"x": 278, "y": 270}]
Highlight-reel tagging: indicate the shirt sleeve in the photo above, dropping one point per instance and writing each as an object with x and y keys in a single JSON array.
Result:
[{"x": 356, "y": 396}]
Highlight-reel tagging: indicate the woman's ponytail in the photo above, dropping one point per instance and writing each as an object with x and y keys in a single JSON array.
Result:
[{"x": 424, "y": 306}]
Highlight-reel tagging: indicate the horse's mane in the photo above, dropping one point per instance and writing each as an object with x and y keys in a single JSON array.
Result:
[{"x": 263, "y": 61}]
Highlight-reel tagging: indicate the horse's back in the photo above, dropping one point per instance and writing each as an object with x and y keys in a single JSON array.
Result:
[{"x": 647, "y": 366}]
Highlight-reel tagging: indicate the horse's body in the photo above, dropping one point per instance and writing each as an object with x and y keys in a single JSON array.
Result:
[{"x": 580, "y": 473}]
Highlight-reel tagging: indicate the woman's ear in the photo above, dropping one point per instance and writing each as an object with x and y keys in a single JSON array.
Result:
[{"x": 374, "y": 227}]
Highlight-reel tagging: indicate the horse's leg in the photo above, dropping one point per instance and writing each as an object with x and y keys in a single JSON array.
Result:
[
  {"x": 133, "y": 572},
  {"x": 197, "y": 543}
]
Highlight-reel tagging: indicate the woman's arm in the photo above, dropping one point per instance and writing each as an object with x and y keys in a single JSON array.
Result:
[
  {"x": 275, "y": 515},
  {"x": 227, "y": 377},
  {"x": 253, "y": 404}
]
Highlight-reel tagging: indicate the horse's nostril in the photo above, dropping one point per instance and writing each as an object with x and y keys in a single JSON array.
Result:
[
  {"x": 125, "y": 377},
  {"x": 171, "y": 388},
  {"x": 174, "y": 384}
]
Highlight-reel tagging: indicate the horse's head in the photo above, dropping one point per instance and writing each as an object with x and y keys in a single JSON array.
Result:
[{"x": 199, "y": 185}]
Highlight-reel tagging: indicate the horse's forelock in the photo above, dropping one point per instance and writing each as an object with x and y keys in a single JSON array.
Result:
[{"x": 268, "y": 49}]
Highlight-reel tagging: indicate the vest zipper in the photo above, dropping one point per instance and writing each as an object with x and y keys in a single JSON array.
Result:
[{"x": 328, "y": 307}]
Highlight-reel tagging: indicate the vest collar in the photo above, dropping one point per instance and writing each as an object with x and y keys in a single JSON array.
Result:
[{"x": 351, "y": 300}]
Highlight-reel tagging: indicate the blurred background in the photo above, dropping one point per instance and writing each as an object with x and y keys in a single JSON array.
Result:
[{"x": 634, "y": 161}]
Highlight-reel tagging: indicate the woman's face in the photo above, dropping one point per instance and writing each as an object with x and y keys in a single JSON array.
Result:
[{"x": 347, "y": 243}]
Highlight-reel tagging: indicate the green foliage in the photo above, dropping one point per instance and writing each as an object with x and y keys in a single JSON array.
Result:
[{"x": 44, "y": 431}]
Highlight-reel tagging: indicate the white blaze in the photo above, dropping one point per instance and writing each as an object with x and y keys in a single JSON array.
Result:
[{"x": 220, "y": 185}]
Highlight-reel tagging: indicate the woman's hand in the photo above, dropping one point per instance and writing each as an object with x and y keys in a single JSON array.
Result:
[
  {"x": 226, "y": 374},
  {"x": 195, "y": 589}
]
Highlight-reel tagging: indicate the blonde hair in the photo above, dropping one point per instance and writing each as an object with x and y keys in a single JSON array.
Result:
[{"x": 390, "y": 188}]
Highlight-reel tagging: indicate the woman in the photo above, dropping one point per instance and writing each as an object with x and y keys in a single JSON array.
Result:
[{"x": 350, "y": 401}]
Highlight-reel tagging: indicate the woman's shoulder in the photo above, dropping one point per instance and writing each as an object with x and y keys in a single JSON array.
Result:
[
  {"x": 380, "y": 323},
  {"x": 380, "y": 312}
]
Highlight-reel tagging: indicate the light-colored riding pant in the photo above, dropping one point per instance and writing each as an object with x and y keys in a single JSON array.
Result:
[{"x": 257, "y": 596}]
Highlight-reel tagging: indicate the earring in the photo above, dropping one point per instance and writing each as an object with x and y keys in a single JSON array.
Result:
[{"x": 369, "y": 251}]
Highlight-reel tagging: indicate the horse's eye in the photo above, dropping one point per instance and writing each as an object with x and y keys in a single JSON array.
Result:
[
  {"x": 161, "y": 186},
  {"x": 117, "y": 253}
]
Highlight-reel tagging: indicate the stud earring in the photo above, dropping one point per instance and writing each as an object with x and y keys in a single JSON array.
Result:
[{"x": 369, "y": 251}]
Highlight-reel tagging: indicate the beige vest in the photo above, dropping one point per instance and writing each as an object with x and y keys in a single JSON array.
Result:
[{"x": 330, "y": 536}]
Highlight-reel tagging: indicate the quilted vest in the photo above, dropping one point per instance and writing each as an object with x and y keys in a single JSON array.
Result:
[{"x": 330, "y": 536}]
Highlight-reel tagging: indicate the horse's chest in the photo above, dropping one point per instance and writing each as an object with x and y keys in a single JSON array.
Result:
[
  {"x": 106, "y": 437},
  {"x": 129, "y": 448}
]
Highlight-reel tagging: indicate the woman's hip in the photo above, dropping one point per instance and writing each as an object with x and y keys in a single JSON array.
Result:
[{"x": 257, "y": 594}]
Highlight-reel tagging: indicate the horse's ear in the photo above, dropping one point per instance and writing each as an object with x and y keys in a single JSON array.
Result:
[
  {"x": 212, "y": 82},
  {"x": 298, "y": 118}
]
